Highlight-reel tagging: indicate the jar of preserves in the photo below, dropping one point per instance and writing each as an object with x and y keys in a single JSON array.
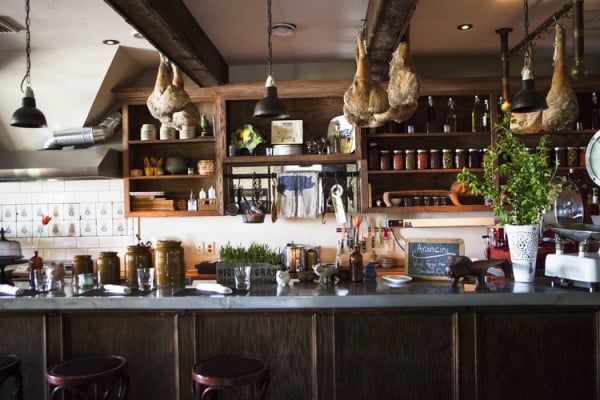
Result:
[
  {"x": 422, "y": 159},
  {"x": 560, "y": 157},
  {"x": 169, "y": 266},
  {"x": 434, "y": 159},
  {"x": 581, "y": 156},
  {"x": 459, "y": 158},
  {"x": 82, "y": 264},
  {"x": 572, "y": 158},
  {"x": 136, "y": 257},
  {"x": 409, "y": 159},
  {"x": 109, "y": 268},
  {"x": 385, "y": 160},
  {"x": 473, "y": 159},
  {"x": 398, "y": 160},
  {"x": 446, "y": 158},
  {"x": 373, "y": 157}
]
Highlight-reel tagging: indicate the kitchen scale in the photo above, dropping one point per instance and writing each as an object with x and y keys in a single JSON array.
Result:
[{"x": 583, "y": 268}]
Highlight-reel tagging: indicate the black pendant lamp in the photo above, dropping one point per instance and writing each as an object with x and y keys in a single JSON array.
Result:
[
  {"x": 271, "y": 105},
  {"x": 28, "y": 116},
  {"x": 527, "y": 99}
]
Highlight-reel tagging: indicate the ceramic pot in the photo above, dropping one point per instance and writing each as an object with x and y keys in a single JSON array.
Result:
[
  {"x": 523, "y": 246},
  {"x": 175, "y": 163}
]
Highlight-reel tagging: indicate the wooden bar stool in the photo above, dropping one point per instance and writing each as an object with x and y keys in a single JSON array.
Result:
[
  {"x": 87, "y": 377},
  {"x": 10, "y": 366},
  {"x": 235, "y": 374}
]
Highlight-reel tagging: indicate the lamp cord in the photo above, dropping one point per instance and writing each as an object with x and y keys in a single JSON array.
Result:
[
  {"x": 27, "y": 77},
  {"x": 269, "y": 30},
  {"x": 526, "y": 24}
]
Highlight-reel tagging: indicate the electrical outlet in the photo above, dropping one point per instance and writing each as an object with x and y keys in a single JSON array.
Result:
[
  {"x": 391, "y": 223},
  {"x": 209, "y": 248},
  {"x": 200, "y": 248}
]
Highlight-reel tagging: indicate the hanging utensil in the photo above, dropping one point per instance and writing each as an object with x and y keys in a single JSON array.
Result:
[
  {"x": 338, "y": 205},
  {"x": 274, "y": 201},
  {"x": 233, "y": 207}
]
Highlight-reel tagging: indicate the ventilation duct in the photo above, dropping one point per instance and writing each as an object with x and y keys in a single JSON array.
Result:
[{"x": 84, "y": 136}]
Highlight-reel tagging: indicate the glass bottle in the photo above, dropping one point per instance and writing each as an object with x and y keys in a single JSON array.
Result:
[
  {"x": 35, "y": 263},
  {"x": 430, "y": 126},
  {"x": 192, "y": 204},
  {"x": 373, "y": 156},
  {"x": 476, "y": 116},
  {"x": 595, "y": 120},
  {"x": 485, "y": 118},
  {"x": 356, "y": 265},
  {"x": 450, "y": 117},
  {"x": 499, "y": 108}
]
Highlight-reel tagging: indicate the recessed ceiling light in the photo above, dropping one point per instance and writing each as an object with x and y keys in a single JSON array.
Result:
[
  {"x": 464, "y": 27},
  {"x": 110, "y": 42},
  {"x": 284, "y": 29},
  {"x": 137, "y": 35}
]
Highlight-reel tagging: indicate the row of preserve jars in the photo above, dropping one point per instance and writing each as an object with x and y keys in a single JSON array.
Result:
[
  {"x": 425, "y": 159},
  {"x": 168, "y": 263}
]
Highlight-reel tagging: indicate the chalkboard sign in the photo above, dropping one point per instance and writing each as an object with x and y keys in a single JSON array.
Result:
[{"x": 426, "y": 258}]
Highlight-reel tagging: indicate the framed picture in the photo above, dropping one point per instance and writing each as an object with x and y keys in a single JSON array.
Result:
[{"x": 286, "y": 132}]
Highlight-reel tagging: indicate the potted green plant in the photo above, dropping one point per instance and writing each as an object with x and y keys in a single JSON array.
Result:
[
  {"x": 264, "y": 260},
  {"x": 520, "y": 187}
]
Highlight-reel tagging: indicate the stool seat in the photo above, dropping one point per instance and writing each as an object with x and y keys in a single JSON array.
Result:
[
  {"x": 10, "y": 366},
  {"x": 228, "y": 372}
]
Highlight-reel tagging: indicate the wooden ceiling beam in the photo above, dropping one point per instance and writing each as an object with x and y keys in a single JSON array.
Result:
[
  {"x": 387, "y": 21},
  {"x": 172, "y": 29}
]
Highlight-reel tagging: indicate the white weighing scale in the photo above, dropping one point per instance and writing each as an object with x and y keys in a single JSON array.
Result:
[{"x": 581, "y": 269}]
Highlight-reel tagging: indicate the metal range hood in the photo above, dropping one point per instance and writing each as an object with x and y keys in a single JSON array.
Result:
[{"x": 91, "y": 163}]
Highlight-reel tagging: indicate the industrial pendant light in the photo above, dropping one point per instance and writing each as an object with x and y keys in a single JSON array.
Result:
[
  {"x": 28, "y": 116},
  {"x": 527, "y": 99},
  {"x": 271, "y": 105}
]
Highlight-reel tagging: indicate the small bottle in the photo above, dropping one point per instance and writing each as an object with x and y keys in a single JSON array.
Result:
[
  {"x": 595, "y": 120},
  {"x": 485, "y": 118},
  {"x": 335, "y": 141},
  {"x": 430, "y": 126},
  {"x": 476, "y": 116},
  {"x": 192, "y": 204},
  {"x": 595, "y": 204},
  {"x": 373, "y": 157},
  {"x": 450, "y": 117},
  {"x": 202, "y": 194},
  {"x": 499, "y": 108},
  {"x": 356, "y": 265},
  {"x": 212, "y": 193}
]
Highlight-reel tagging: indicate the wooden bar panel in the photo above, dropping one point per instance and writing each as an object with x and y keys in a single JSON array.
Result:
[
  {"x": 537, "y": 355},
  {"x": 283, "y": 339},
  {"x": 23, "y": 335},
  {"x": 147, "y": 340},
  {"x": 394, "y": 355}
]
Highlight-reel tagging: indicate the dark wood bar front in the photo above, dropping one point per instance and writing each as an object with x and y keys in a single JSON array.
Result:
[{"x": 433, "y": 352}]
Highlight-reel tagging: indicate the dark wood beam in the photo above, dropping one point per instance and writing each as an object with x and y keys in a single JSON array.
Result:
[
  {"x": 387, "y": 21},
  {"x": 172, "y": 29}
]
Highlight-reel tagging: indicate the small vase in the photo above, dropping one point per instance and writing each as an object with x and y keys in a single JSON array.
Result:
[
  {"x": 523, "y": 246},
  {"x": 35, "y": 262}
]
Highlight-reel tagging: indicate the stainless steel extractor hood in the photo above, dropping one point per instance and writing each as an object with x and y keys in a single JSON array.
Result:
[{"x": 90, "y": 163}]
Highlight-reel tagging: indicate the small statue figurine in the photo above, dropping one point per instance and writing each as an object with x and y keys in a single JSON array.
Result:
[
  {"x": 204, "y": 126},
  {"x": 459, "y": 267},
  {"x": 282, "y": 277}
]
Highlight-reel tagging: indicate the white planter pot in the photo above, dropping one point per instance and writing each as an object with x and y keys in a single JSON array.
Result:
[{"x": 523, "y": 245}]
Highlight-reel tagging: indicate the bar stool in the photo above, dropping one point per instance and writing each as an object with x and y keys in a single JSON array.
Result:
[
  {"x": 84, "y": 377},
  {"x": 10, "y": 366},
  {"x": 228, "y": 373}
]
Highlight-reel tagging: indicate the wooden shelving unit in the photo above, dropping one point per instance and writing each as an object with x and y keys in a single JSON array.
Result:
[
  {"x": 421, "y": 209},
  {"x": 422, "y": 171},
  {"x": 207, "y": 139},
  {"x": 292, "y": 159},
  {"x": 169, "y": 177}
]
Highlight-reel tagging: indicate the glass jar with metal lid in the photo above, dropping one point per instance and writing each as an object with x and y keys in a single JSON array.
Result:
[
  {"x": 434, "y": 159},
  {"x": 409, "y": 159},
  {"x": 385, "y": 160},
  {"x": 572, "y": 156},
  {"x": 560, "y": 157},
  {"x": 473, "y": 159},
  {"x": 138, "y": 256},
  {"x": 398, "y": 160},
  {"x": 459, "y": 158},
  {"x": 581, "y": 156},
  {"x": 108, "y": 265},
  {"x": 446, "y": 158},
  {"x": 169, "y": 266},
  {"x": 82, "y": 264},
  {"x": 422, "y": 159}
]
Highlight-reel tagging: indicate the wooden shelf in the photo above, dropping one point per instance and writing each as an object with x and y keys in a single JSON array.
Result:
[
  {"x": 167, "y": 177},
  {"x": 561, "y": 133},
  {"x": 424, "y": 134},
  {"x": 405, "y": 210},
  {"x": 293, "y": 159},
  {"x": 422, "y": 171},
  {"x": 207, "y": 213},
  {"x": 207, "y": 139}
]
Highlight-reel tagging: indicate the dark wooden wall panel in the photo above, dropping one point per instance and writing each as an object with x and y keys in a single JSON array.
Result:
[
  {"x": 394, "y": 356},
  {"x": 147, "y": 340},
  {"x": 284, "y": 339},
  {"x": 23, "y": 334},
  {"x": 536, "y": 356}
]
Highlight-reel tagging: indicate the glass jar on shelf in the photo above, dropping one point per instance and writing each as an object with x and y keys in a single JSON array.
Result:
[
  {"x": 572, "y": 158},
  {"x": 581, "y": 156},
  {"x": 409, "y": 159},
  {"x": 459, "y": 158},
  {"x": 373, "y": 157},
  {"x": 446, "y": 158},
  {"x": 422, "y": 159},
  {"x": 385, "y": 160},
  {"x": 398, "y": 160},
  {"x": 560, "y": 157},
  {"x": 434, "y": 159},
  {"x": 473, "y": 159}
]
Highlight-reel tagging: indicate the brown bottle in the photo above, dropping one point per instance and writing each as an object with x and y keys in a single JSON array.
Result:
[
  {"x": 35, "y": 262},
  {"x": 356, "y": 265}
]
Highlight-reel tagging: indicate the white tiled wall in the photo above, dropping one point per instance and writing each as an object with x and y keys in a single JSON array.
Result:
[{"x": 87, "y": 217}]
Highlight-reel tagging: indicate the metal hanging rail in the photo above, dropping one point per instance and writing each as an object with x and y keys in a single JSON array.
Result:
[{"x": 274, "y": 175}]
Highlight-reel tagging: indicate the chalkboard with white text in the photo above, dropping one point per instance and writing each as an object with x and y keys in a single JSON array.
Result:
[{"x": 426, "y": 257}]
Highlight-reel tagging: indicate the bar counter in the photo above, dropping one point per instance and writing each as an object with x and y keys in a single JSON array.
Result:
[{"x": 348, "y": 341}]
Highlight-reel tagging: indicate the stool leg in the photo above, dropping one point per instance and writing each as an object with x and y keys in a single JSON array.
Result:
[
  {"x": 261, "y": 389},
  {"x": 18, "y": 393},
  {"x": 56, "y": 390}
]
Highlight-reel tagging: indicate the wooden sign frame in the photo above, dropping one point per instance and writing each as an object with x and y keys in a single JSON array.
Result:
[{"x": 407, "y": 258}]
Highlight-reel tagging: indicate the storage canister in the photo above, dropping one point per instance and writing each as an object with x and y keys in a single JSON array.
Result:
[
  {"x": 409, "y": 159},
  {"x": 168, "y": 265},
  {"x": 398, "y": 160},
  {"x": 422, "y": 159},
  {"x": 581, "y": 156},
  {"x": 109, "y": 268},
  {"x": 459, "y": 159},
  {"x": 446, "y": 158},
  {"x": 82, "y": 264},
  {"x": 136, "y": 257},
  {"x": 560, "y": 157},
  {"x": 572, "y": 156},
  {"x": 385, "y": 160},
  {"x": 373, "y": 157},
  {"x": 434, "y": 159},
  {"x": 473, "y": 159}
]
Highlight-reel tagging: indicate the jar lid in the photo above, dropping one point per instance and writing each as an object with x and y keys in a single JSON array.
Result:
[
  {"x": 409, "y": 151},
  {"x": 477, "y": 150},
  {"x": 434, "y": 150},
  {"x": 446, "y": 150},
  {"x": 384, "y": 151},
  {"x": 572, "y": 147},
  {"x": 583, "y": 147},
  {"x": 397, "y": 151},
  {"x": 422, "y": 151},
  {"x": 107, "y": 254},
  {"x": 81, "y": 256},
  {"x": 372, "y": 144},
  {"x": 168, "y": 243},
  {"x": 559, "y": 148},
  {"x": 459, "y": 150}
]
